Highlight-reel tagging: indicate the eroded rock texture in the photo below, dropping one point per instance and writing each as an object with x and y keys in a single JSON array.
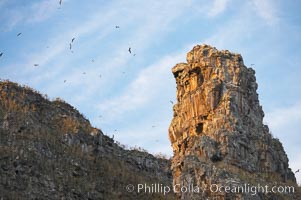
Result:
[
  {"x": 48, "y": 150},
  {"x": 217, "y": 132}
]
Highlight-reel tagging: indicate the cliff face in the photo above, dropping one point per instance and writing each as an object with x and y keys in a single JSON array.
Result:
[
  {"x": 217, "y": 133},
  {"x": 48, "y": 150}
]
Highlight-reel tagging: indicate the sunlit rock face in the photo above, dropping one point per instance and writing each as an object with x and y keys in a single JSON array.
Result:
[{"x": 217, "y": 131}]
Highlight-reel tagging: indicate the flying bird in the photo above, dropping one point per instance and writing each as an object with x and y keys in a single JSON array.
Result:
[
  {"x": 297, "y": 171},
  {"x": 130, "y": 50},
  {"x": 72, "y": 40},
  {"x": 92, "y": 60},
  {"x": 171, "y": 101},
  {"x": 153, "y": 126},
  {"x": 61, "y": 2},
  {"x": 36, "y": 65},
  {"x": 1, "y": 54},
  {"x": 19, "y": 34},
  {"x": 64, "y": 81},
  {"x": 134, "y": 54},
  {"x": 117, "y": 27},
  {"x": 70, "y": 46},
  {"x": 252, "y": 64},
  {"x": 84, "y": 73}
]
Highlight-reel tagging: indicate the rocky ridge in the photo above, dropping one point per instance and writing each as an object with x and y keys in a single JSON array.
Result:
[
  {"x": 48, "y": 150},
  {"x": 217, "y": 131}
]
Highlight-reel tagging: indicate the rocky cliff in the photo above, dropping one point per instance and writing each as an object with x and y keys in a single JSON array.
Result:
[
  {"x": 217, "y": 131},
  {"x": 48, "y": 150}
]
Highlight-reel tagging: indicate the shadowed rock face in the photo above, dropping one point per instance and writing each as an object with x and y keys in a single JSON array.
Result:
[
  {"x": 217, "y": 133},
  {"x": 48, "y": 150}
]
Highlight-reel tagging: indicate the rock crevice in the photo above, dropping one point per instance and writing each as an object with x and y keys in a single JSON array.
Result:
[{"x": 218, "y": 128}]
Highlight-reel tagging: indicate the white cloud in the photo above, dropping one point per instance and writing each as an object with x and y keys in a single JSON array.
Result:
[
  {"x": 284, "y": 123},
  {"x": 267, "y": 10},
  {"x": 218, "y": 7},
  {"x": 295, "y": 164},
  {"x": 157, "y": 137},
  {"x": 41, "y": 11},
  {"x": 145, "y": 87},
  {"x": 29, "y": 13},
  {"x": 283, "y": 117},
  {"x": 100, "y": 22}
]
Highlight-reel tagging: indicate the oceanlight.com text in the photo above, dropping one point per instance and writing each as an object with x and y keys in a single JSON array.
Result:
[{"x": 213, "y": 188}]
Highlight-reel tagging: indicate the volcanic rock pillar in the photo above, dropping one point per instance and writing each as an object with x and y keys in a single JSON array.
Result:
[{"x": 217, "y": 133}]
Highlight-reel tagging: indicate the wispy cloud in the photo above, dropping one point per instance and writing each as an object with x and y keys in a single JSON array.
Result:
[
  {"x": 295, "y": 164},
  {"x": 267, "y": 10},
  {"x": 218, "y": 7},
  {"x": 146, "y": 86},
  {"x": 41, "y": 11},
  {"x": 134, "y": 101},
  {"x": 284, "y": 123},
  {"x": 282, "y": 117},
  {"x": 29, "y": 13}
]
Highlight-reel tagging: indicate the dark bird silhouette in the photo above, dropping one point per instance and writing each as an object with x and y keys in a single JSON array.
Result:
[
  {"x": 153, "y": 126},
  {"x": 1, "y": 54},
  {"x": 19, "y": 34},
  {"x": 171, "y": 101},
  {"x": 84, "y": 73},
  {"x": 61, "y": 2},
  {"x": 72, "y": 40},
  {"x": 117, "y": 27},
  {"x": 297, "y": 171},
  {"x": 130, "y": 50},
  {"x": 70, "y": 46},
  {"x": 64, "y": 81},
  {"x": 36, "y": 65}
]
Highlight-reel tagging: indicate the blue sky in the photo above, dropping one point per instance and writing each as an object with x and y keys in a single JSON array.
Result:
[{"x": 133, "y": 93}]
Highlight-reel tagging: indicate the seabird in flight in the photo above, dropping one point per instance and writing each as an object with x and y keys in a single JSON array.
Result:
[
  {"x": 19, "y": 34},
  {"x": 130, "y": 50}
]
